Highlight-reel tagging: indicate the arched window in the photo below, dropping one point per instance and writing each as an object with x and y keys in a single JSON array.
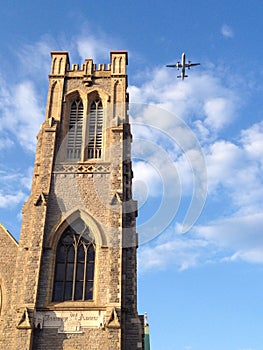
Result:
[
  {"x": 75, "y": 130},
  {"x": 75, "y": 261},
  {"x": 94, "y": 149}
]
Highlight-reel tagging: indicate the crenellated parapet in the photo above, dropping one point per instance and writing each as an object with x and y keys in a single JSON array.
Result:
[{"x": 61, "y": 65}]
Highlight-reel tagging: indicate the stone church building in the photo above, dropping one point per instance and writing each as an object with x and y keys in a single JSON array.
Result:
[{"x": 70, "y": 282}]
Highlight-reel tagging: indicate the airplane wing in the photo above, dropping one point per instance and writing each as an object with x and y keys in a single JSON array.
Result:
[
  {"x": 188, "y": 65},
  {"x": 177, "y": 65}
]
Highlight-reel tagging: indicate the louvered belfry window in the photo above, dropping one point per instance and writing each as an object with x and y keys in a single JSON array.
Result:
[
  {"x": 75, "y": 130},
  {"x": 94, "y": 149}
]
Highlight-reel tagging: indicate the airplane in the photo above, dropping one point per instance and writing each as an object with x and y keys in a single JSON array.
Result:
[{"x": 183, "y": 65}]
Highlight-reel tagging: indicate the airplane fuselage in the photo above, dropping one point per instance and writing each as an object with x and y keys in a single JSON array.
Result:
[{"x": 183, "y": 65}]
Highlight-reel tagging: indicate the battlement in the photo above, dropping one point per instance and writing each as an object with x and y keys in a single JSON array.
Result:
[
  {"x": 61, "y": 65},
  {"x": 100, "y": 67}
]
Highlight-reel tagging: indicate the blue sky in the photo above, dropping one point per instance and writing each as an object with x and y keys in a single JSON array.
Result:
[{"x": 202, "y": 289}]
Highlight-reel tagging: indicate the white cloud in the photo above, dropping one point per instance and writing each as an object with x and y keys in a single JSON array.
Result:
[
  {"x": 34, "y": 59},
  {"x": 14, "y": 186},
  {"x": 20, "y": 114},
  {"x": 237, "y": 169},
  {"x": 166, "y": 167},
  {"x": 26, "y": 178},
  {"x": 5, "y": 142},
  {"x": 206, "y": 97},
  {"x": 227, "y": 31},
  {"x": 224, "y": 240},
  {"x": 241, "y": 235},
  {"x": 219, "y": 111},
  {"x": 10, "y": 200},
  {"x": 90, "y": 46},
  {"x": 236, "y": 184},
  {"x": 146, "y": 181},
  {"x": 95, "y": 44},
  {"x": 22, "y": 105},
  {"x": 236, "y": 180},
  {"x": 223, "y": 159},
  {"x": 172, "y": 249},
  {"x": 252, "y": 139}
]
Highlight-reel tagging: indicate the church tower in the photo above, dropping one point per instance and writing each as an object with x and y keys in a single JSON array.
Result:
[{"x": 74, "y": 282}]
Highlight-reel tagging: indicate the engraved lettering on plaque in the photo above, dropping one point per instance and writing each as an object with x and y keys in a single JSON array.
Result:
[{"x": 69, "y": 321}]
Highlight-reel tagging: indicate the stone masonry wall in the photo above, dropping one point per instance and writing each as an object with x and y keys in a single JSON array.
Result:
[{"x": 8, "y": 253}]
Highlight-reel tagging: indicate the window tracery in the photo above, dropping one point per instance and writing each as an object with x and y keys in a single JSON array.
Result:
[{"x": 75, "y": 262}]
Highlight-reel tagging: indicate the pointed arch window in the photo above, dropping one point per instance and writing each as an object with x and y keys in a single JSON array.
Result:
[
  {"x": 94, "y": 148},
  {"x": 75, "y": 262},
  {"x": 75, "y": 130}
]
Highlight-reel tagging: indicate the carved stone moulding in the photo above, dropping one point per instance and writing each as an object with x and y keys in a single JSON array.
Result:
[{"x": 90, "y": 168}]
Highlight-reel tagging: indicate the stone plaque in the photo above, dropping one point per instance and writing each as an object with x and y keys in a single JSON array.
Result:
[{"x": 69, "y": 321}]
